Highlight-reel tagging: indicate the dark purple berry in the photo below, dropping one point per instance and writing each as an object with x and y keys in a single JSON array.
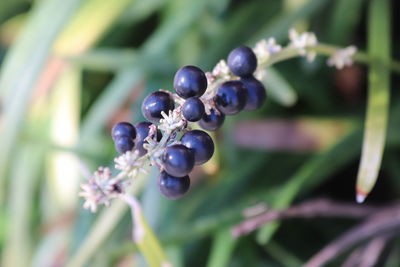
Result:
[
  {"x": 201, "y": 143},
  {"x": 178, "y": 160},
  {"x": 212, "y": 121},
  {"x": 123, "y": 129},
  {"x": 155, "y": 103},
  {"x": 193, "y": 109},
  {"x": 256, "y": 93},
  {"x": 190, "y": 81},
  {"x": 142, "y": 131},
  {"x": 231, "y": 97},
  {"x": 124, "y": 144},
  {"x": 242, "y": 61},
  {"x": 173, "y": 187}
]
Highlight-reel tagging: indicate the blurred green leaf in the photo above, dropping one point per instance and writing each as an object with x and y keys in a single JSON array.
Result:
[
  {"x": 22, "y": 68},
  {"x": 109, "y": 101},
  {"x": 284, "y": 257},
  {"x": 222, "y": 248},
  {"x": 279, "y": 26},
  {"x": 18, "y": 246},
  {"x": 378, "y": 98},
  {"x": 345, "y": 16},
  {"x": 311, "y": 173},
  {"x": 279, "y": 89}
]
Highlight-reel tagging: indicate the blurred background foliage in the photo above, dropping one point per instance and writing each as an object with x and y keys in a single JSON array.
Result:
[{"x": 71, "y": 69}]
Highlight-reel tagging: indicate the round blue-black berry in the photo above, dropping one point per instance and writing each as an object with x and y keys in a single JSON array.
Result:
[
  {"x": 201, "y": 143},
  {"x": 155, "y": 103},
  {"x": 173, "y": 187},
  {"x": 193, "y": 109},
  {"x": 123, "y": 129},
  {"x": 212, "y": 121},
  {"x": 256, "y": 93},
  {"x": 242, "y": 61},
  {"x": 124, "y": 144},
  {"x": 231, "y": 97},
  {"x": 190, "y": 81},
  {"x": 178, "y": 160},
  {"x": 142, "y": 131}
]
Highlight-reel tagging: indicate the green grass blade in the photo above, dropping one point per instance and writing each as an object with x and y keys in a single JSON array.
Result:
[
  {"x": 18, "y": 246},
  {"x": 222, "y": 248},
  {"x": 345, "y": 17},
  {"x": 144, "y": 237},
  {"x": 378, "y": 98}
]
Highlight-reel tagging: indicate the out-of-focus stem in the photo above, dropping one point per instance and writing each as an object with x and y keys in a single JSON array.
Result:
[{"x": 325, "y": 50}]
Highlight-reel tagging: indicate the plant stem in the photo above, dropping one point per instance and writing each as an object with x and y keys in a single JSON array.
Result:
[
  {"x": 143, "y": 236},
  {"x": 326, "y": 50}
]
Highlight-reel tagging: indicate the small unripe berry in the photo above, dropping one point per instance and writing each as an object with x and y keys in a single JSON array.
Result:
[
  {"x": 193, "y": 109},
  {"x": 212, "y": 121}
]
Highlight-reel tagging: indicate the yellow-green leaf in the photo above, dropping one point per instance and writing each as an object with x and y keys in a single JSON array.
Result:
[{"x": 378, "y": 97}]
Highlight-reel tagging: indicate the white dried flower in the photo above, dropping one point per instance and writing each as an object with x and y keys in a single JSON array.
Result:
[
  {"x": 265, "y": 48},
  {"x": 302, "y": 41},
  {"x": 129, "y": 163},
  {"x": 173, "y": 121},
  {"x": 342, "y": 57},
  {"x": 100, "y": 189},
  {"x": 221, "y": 70}
]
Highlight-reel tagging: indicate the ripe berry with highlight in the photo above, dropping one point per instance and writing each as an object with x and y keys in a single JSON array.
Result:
[
  {"x": 155, "y": 103},
  {"x": 123, "y": 129},
  {"x": 190, "y": 81},
  {"x": 173, "y": 187},
  {"x": 201, "y": 143},
  {"x": 242, "y": 61},
  {"x": 178, "y": 160}
]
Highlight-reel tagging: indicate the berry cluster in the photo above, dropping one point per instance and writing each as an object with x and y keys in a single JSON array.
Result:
[{"x": 195, "y": 103}]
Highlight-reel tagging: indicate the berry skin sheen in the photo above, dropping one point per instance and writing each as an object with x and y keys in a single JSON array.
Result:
[
  {"x": 242, "y": 61},
  {"x": 212, "y": 121},
  {"x": 173, "y": 187},
  {"x": 193, "y": 109},
  {"x": 256, "y": 93},
  {"x": 124, "y": 144},
  {"x": 190, "y": 81},
  {"x": 123, "y": 129},
  {"x": 142, "y": 131},
  {"x": 155, "y": 103},
  {"x": 231, "y": 97},
  {"x": 178, "y": 160},
  {"x": 201, "y": 143}
]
